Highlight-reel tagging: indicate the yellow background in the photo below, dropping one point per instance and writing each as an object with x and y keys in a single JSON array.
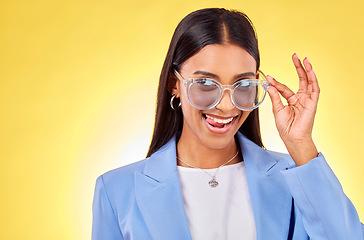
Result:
[{"x": 78, "y": 82}]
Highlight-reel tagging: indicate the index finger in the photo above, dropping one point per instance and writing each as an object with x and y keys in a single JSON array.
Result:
[{"x": 302, "y": 74}]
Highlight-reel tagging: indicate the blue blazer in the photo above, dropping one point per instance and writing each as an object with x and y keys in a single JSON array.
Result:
[{"x": 144, "y": 200}]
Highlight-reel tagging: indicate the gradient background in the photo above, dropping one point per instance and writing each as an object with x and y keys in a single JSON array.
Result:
[{"x": 78, "y": 82}]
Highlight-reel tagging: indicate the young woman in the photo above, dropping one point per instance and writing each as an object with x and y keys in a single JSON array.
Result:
[{"x": 207, "y": 175}]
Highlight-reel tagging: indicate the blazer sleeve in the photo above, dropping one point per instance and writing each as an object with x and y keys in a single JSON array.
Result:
[
  {"x": 326, "y": 211},
  {"x": 104, "y": 224}
]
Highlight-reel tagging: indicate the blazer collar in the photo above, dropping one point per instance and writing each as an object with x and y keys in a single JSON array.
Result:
[
  {"x": 159, "y": 196},
  {"x": 254, "y": 156},
  {"x": 163, "y": 162},
  {"x": 269, "y": 195}
]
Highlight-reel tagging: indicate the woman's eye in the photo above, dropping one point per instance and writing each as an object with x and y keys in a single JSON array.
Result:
[
  {"x": 205, "y": 81},
  {"x": 245, "y": 84},
  {"x": 206, "y": 84}
]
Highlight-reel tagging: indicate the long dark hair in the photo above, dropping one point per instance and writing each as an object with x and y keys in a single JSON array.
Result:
[{"x": 196, "y": 30}]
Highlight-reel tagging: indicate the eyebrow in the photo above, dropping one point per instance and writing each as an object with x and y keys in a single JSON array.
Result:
[{"x": 241, "y": 75}]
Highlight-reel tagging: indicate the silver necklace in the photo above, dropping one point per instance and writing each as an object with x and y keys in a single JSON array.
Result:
[{"x": 213, "y": 183}]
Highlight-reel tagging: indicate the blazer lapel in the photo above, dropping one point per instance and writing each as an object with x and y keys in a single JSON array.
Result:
[
  {"x": 270, "y": 198},
  {"x": 159, "y": 197}
]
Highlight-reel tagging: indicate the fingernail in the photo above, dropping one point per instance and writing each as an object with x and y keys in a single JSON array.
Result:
[
  {"x": 296, "y": 55},
  {"x": 308, "y": 60},
  {"x": 270, "y": 79}
]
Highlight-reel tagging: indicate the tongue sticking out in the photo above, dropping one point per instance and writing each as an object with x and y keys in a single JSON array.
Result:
[{"x": 215, "y": 124}]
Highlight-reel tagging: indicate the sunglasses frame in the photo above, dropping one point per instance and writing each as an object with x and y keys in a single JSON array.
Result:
[{"x": 188, "y": 82}]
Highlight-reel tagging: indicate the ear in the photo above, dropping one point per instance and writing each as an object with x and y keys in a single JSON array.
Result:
[{"x": 173, "y": 85}]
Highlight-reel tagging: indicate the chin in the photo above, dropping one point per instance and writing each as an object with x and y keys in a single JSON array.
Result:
[{"x": 219, "y": 141}]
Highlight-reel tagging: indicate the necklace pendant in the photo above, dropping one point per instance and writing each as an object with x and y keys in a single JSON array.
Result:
[{"x": 213, "y": 183}]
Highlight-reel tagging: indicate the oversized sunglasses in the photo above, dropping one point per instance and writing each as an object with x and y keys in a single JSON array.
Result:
[{"x": 206, "y": 93}]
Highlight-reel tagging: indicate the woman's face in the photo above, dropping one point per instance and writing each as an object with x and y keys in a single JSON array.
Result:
[{"x": 225, "y": 64}]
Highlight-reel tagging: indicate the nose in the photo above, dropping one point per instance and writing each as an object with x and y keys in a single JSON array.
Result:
[{"x": 226, "y": 103}]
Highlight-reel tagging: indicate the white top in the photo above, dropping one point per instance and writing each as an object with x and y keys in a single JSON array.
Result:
[{"x": 219, "y": 213}]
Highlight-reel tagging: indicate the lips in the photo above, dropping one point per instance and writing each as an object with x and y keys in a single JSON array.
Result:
[{"x": 218, "y": 124}]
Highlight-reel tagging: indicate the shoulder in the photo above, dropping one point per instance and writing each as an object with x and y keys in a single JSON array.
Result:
[
  {"x": 124, "y": 172},
  {"x": 119, "y": 184},
  {"x": 158, "y": 166},
  {"x": 122, "y": 177}
]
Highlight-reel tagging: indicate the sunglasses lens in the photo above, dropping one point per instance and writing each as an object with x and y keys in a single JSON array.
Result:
[
  {"x": 204, "y": 93},
  {"x": 249, "y": 93}
]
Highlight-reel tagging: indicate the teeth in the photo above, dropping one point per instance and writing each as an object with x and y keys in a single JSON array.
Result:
[{"x": 224, "y": 121}]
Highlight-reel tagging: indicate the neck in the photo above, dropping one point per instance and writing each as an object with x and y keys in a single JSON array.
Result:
[{"x": 201, "y": 156}]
